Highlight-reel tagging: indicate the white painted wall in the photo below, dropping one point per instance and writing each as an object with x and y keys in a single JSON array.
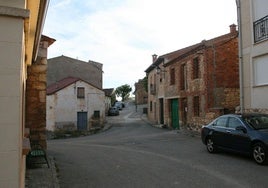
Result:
[
  {"x": 255, "y": 56},
  {"x": 62, "y": 107},
  {"x": 12, "y": 82}
]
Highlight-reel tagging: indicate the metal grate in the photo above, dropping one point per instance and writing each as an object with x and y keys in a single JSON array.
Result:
[{"x": 261, "y": 29}]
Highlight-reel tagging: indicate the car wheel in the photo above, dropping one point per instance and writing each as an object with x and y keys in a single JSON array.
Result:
[
  {"x": 210, "y": 145},
  {"x": 260, "y": 154}
]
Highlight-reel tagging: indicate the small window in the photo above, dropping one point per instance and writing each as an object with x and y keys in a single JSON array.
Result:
[
  {"x": 96, "y": 114},
  {"x": 151, "y": 106},
  {"x": 196, "y": 106},
  {"x": 80, "y": 92},
  {"x": 196, "y": 71},
  {"x": 172, "y": 76},
  {"x": 183, "y": 77}
]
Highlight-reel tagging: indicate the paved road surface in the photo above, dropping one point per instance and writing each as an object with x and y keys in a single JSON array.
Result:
[{"x": 136, "y": 155}]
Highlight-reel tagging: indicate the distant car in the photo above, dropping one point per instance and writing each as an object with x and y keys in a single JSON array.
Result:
[
  {"x": 119, "y": 105},
  {"x": 113, "y": 111},
  {"x": 246, "y": 134}
]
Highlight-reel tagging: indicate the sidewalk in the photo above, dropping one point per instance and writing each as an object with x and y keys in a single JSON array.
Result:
[{"x": 42, "y": 176}]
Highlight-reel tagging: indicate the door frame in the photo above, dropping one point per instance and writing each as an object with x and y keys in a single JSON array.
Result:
[
  {"x": 82, "y": 122},
  {"x": 174, "y": 107}
]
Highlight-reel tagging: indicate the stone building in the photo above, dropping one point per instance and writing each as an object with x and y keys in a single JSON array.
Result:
[
  {"x": 62, "y": 66},
  {"x": 140, "y": 92},
  {"x": 191, "y": 86},
  {"x": 74, "y": 104},
  {"x": 253, "y": 26},
  {"x": 63, "y": 73},
  {"x": 109, "y": 98}
]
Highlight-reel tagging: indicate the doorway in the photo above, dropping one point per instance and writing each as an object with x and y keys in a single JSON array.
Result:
[
  {"x": 81, "y": 121},
  {"x": 175, "y": 113}
]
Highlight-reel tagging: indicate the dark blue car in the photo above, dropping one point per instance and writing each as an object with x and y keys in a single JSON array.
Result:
[{"x": 243, "y": 133}]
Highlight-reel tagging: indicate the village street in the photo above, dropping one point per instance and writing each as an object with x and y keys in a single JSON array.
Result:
[{"x": 133, "y": 153}]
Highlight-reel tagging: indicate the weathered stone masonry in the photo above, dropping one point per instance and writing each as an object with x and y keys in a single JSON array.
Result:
[{"x": 36, "y": 95}]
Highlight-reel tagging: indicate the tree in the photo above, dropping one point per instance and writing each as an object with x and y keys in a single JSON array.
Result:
[{"x": 123, "y": 91}]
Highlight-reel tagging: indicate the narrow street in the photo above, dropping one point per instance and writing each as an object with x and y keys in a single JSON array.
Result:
[{"x": 133, "y": 153}]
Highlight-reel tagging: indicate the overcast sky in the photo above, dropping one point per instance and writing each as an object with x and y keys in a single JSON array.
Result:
[{"x": 124, "y": 34}]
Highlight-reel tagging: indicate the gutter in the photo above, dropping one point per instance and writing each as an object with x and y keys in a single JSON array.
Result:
[
  {"x": 241, "y": 66},
  {"x": 43, "y": 7}
]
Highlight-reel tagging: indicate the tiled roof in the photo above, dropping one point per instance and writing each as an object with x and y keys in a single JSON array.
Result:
[
  {"x": 53, "y": 88},
  {"x": 170, "y": 57},
  {"x": 108, "y": 92}
]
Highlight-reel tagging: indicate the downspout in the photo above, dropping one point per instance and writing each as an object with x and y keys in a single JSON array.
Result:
[{"x": 241, "y": 67}]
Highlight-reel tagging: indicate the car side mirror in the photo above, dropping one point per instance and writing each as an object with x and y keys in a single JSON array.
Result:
[{"x": 241, "y": 128}]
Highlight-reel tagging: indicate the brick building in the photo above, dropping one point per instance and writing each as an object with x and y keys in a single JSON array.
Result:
[{"x": 191, "y": 86}]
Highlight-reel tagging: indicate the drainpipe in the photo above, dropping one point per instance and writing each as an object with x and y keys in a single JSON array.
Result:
[{"x": 241, "y": 67}]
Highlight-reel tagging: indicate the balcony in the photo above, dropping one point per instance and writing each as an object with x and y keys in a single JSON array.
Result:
[{"x": 260, "y": 29}]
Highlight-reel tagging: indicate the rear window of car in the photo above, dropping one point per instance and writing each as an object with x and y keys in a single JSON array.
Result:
[{"x": 257, "y": 121}]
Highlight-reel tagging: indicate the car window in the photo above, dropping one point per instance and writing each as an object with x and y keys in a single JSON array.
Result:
[
  {"x": 234, "y": 122},
  {"x": 221, "y": 122},
  {"x": 258, "y": 121}
]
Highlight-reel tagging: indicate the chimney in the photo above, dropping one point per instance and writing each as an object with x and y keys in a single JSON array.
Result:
[
  {"x": 154, "y": 57},
  {"x": 232, "y": 28}
]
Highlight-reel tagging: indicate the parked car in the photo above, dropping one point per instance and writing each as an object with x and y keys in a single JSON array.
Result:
[
  {"x": 113, "y": 111},
  {"x": 246, "y": 134},
  {"x": 119, "y": 105}
]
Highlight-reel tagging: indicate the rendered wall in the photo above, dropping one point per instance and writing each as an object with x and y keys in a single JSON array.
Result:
[
  {"x": 12, "y": 88},
  {"x": 255, "y": 94},
  {"x": 62, "y": 107}
]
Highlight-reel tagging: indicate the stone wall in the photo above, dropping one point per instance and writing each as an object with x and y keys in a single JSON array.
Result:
[
  {"x": 141, "y": 96},
  {"x": 36, "y": 102},
  {"x": 36, "y": 83}
]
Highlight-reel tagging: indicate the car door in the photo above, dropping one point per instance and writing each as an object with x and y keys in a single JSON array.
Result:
[
  {"x": 237, "y": 139},
  {"x": 219, "y": 131}
]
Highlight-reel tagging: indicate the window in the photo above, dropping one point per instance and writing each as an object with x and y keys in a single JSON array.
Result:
[
  {"x": 260, "y": 70},
  {"x": 183, "y": 77},
  {"x": 80, "y": 92},
  {"x": 196, "y": 68},
  {"x": 172, "y": 76},
  {"x": 221, "y": 122},
  {"x": 96, "y": 114},
  {"x": 234, "y": 122},
  {"x": 151, "y": 106},
  {"x": 196, "y": 106}
]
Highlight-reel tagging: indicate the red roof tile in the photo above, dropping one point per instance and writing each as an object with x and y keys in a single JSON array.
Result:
[{"x": 53, "y": 88}]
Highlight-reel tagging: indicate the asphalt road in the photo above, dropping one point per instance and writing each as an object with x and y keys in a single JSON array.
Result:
[{"x": 133, "y": 154}]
